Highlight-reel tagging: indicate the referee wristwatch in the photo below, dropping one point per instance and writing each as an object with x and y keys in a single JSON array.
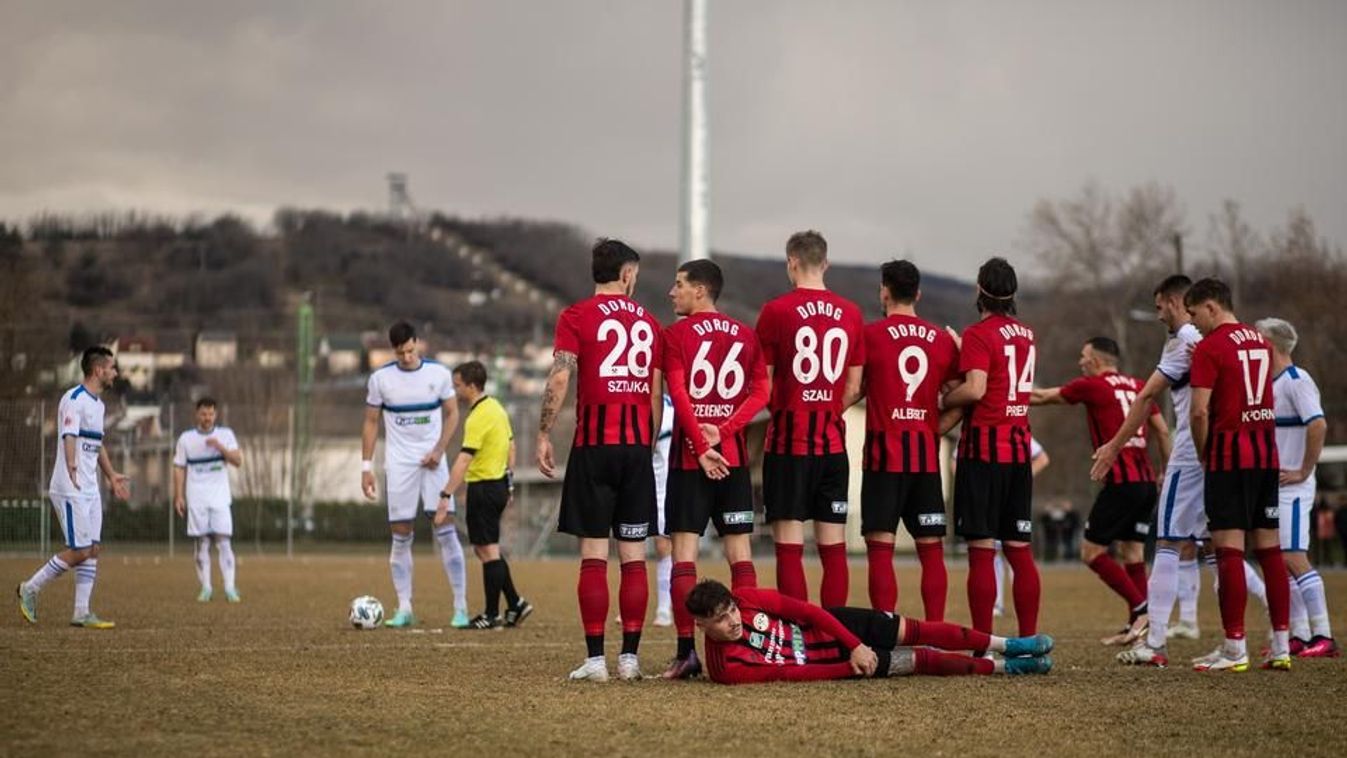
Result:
[{"x": 446, "y": 496}]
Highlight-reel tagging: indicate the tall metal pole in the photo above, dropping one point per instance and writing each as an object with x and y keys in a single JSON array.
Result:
[
  {"x": 696, "y": 184},
  {"x": 299, "y": 471}
]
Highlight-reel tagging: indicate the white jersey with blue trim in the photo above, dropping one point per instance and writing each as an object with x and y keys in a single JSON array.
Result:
[
  {"x": 660, "y": 459},
  {"x": 1175, "y": 363},
  {"x": 1297, "y": 403},
  {"x": 207, "y": 469},
  {"x": 411, "y": 400},
  {"x": 79, "y": 415}
]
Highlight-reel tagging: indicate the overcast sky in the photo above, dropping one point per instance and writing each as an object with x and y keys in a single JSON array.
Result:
[{"x": 919, "y": 128}]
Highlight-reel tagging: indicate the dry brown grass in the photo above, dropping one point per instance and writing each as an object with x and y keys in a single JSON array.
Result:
[{"x": 282, "y": 674}]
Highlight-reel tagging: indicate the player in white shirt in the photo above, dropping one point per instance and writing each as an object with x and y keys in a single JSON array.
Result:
[
  {"x": 80, "y": 455},
  {"x": 415, "y": 397},
  {"x": 663, "y": 545},
  {"x": 201, "y": 494},
  {"x": 1301, "y": 429}
]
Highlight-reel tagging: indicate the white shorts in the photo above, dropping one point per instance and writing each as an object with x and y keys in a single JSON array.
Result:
[
  {"x": 210, "y": 518},
  {"x": 405, "y": 487},
  {"x": 1181, "y": 514},
  {"x": 80, "y": 517},
  {"x": 1296, "y": 503}
]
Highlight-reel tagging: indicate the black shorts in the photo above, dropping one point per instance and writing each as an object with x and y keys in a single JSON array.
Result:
[
  {"x": 878, "y": 631},
  {"x": 486, "y": 502},
  {"x": 1241, "y": 499},
  {"x": 993, "y": 500},
  {"x": 805, "y": 487},
  {"x": 691, "y": 499},
  {"x": 609, "y": 490},
  {"x": 1122, "y": 512},
  {"x": 916, "y": 499}
]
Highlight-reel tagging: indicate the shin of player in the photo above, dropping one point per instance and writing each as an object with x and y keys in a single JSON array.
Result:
[
  {"x": 812, "y": 342},
  {"x": 80, "y": 456},
  {"x": 201, "y": 494},
  {"x": 1234, "y": 432},
  {"x": 415, "y": 397},
  {"x": 612, "y": 346},
  {"x": 717, "y": 382}
]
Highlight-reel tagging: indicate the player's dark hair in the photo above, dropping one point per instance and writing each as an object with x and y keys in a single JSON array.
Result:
[
  {"x": 1212, "y": 289},
  {"x": 808, "y": 247},
  {"x": 206, "y": 402},
  {"x": 610, "y": 256},
  {"x": 401, "y": 333},
  {"x": 996, "y": 287},
  {"x": 705, "y": 273},
  {"x": 94, "y": 357},
  {"x": 708, "y": 598},
  {"x": 472, "y": 373},
  {"x": 902, "y": 280},
  {"x": 1174, "y": 285},
  {"x": 1106, "y": 345}
]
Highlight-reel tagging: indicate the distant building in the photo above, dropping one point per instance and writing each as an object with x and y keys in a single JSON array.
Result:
[
  {"x": 216, "y": 349},
  {"x": 135, "y": 360},
  {"x": 341, "y": 353}
]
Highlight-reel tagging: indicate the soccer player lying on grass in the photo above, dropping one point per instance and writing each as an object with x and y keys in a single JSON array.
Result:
[{"x": 760, "y": 635}]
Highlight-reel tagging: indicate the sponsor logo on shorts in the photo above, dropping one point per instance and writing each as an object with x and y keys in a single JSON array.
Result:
[
  {"x": 1024, "y": 526},
  {"x": 1143, "y": 528},
  {"x": 633, "y": 531},
  {"x": 1271, "y": 513},
  {"x": 756, "y": 639},
  {"x": 739, "y": 517},
  {"x": 410, "y": 420},
  {"x": 761, "y": 622},
  {"x": 839, "y": 506},
  {"x": 931, "y": 519}
]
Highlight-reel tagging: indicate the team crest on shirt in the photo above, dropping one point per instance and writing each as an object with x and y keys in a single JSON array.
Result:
[
  {"x": 839, "y": 506},
  {"x": 1024, "y": 526},
  {"x": 761, "y": 622}
]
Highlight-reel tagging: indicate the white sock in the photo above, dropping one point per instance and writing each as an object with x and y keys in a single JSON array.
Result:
[
  {"x": 664, "y": 583},
  {"x": 1300, "y": 620},
  {"x": 225, "y": 554},
  {"x": 203, "y": 562},
  {"x": 1189, "y": 586},
  {"x": 1237, "y": 648},
  {"x": 400, "y": 564},
  {"x": 1209, "y": 560},
  {"x": 1256, "y": 586},
  {"x": 1281, "y": 644},
  {"x": 85, "y": 574},
  {"x": 999, "y": 566},
  {"x": 1160, "y": 592},
  {"x": 451, "y": 555},
  {"x": 49, "y": 571},
  {"x": 1316, "y": 603}
]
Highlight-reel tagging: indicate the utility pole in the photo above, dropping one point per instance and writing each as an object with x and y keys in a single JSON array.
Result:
[{"x": 696, "y": 183}]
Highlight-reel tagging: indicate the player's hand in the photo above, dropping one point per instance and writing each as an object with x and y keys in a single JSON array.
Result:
[
  {"x": 442, "y": 512},
  {"x": 1292, "y": 477},
  {"x": 714, "y": 464},
  {"x": 367, "y": 484},
  {"x": 711, "y": 432},
  {"x": 73, "y": 471},
  {"x": 121, "y": 486},
  {"x": 433, "y": 458},
  {"x": 180, "y": 506},
  {"x": 864, "y": 661},
  {"x": 214, "y": 444},
  {"x": 958, "y": 341},
  {"x": 546, "y": 463},
  {"x": 1103, "y": 461}
]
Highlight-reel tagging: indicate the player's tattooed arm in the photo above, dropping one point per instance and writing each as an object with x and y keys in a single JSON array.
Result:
[{"x": 558, "y": 379}]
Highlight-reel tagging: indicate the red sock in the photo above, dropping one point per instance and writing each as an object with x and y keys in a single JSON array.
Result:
[
  {"x": 1137, "y": 573},
  {"x": 935, "y": 663},
  {"x": 934, "y": 579},
  {"x": 883, "y": 583},
  {"x": 1233, "y": 592},
  {"x": 1117, "y": 579},
  {"x": 836, "y": 580},
  {"x": 981, "y": 587},
  {"x": 1278, "y": 586},
  {"x": 633, "y": 595},
  {"x": 593, "y": 593},
  {"x": 684, "y": 579},
  {"x": 790, "y": 571},
  {"x": 1026, "y": 588},
  {"x": 944, "y": 636},
  {"x": 742, "y": 574}
]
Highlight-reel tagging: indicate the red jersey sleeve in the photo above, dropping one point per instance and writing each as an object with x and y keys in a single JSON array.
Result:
[
  {"x": 767, "y": 334},
  {"x": 567, "y": 338},
  {"x": 857, "y": 341},
  {"x": 804, "y": 613},
  {"x": 974, "y": 355},
  {"x": 725, "y": 669},
  {"x": 657, "y": 354},
  {"x": 952, "y": 372},
  {"x": 1203, "y": 372},
  {"x": 1076, "y": 390}
]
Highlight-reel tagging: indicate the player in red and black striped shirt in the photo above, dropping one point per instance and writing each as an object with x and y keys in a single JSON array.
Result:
[
  {"x": 812, "y": 343},
  {"x": 1123, "y": 509},
  {"x": 1234, "y": 431},
  {"x": 718, "y": 383},
  {"x": 760, "y": 635},
  {"x": 613, "y": 347},
  {"x": 908, "y": 363},
  {"x": 993, "y": 483}
]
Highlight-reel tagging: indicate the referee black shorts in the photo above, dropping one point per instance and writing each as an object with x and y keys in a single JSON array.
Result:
[{"x": 486, "y": 502}]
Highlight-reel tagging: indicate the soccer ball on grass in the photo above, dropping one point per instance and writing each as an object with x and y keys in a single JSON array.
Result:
[{"x": 367, "y": 612}]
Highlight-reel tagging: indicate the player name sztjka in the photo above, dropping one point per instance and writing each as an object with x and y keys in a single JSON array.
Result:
[
  {"x": 1009, "y": 331},
  {"x": 714, "y": 325},
  {"x": 629, "y": 385},
  {"x": 819, "y": 308},
  {"x": 915, "y": 331}
]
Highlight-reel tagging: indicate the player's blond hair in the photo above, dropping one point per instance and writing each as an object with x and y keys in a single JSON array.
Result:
[{"x": 1279, "y": 332}]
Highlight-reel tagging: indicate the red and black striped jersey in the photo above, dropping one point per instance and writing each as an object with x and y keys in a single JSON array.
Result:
[
  {"x": 1235, "y": 363},
  {"x": 809, "y": 339},
  {"x": 997, "y": 428},
  {"x": 783, "y": 639},
  {"x": 1107, "y": 398},
  {"x": 617, "y": 347},
  {"x": 907, "y": 362}
]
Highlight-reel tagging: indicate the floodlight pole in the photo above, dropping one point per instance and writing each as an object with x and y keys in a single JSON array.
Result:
[{"x": 696, "y": 187}]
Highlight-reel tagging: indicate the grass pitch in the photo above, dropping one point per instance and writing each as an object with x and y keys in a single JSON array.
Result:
[{"x": 283, "y": 673}]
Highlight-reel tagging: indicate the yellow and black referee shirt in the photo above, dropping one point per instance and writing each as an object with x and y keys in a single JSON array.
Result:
[{"x": 487, "y": 435}]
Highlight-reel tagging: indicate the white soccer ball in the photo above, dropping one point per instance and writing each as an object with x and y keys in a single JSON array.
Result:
[{"x": 367, "y": 612}]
